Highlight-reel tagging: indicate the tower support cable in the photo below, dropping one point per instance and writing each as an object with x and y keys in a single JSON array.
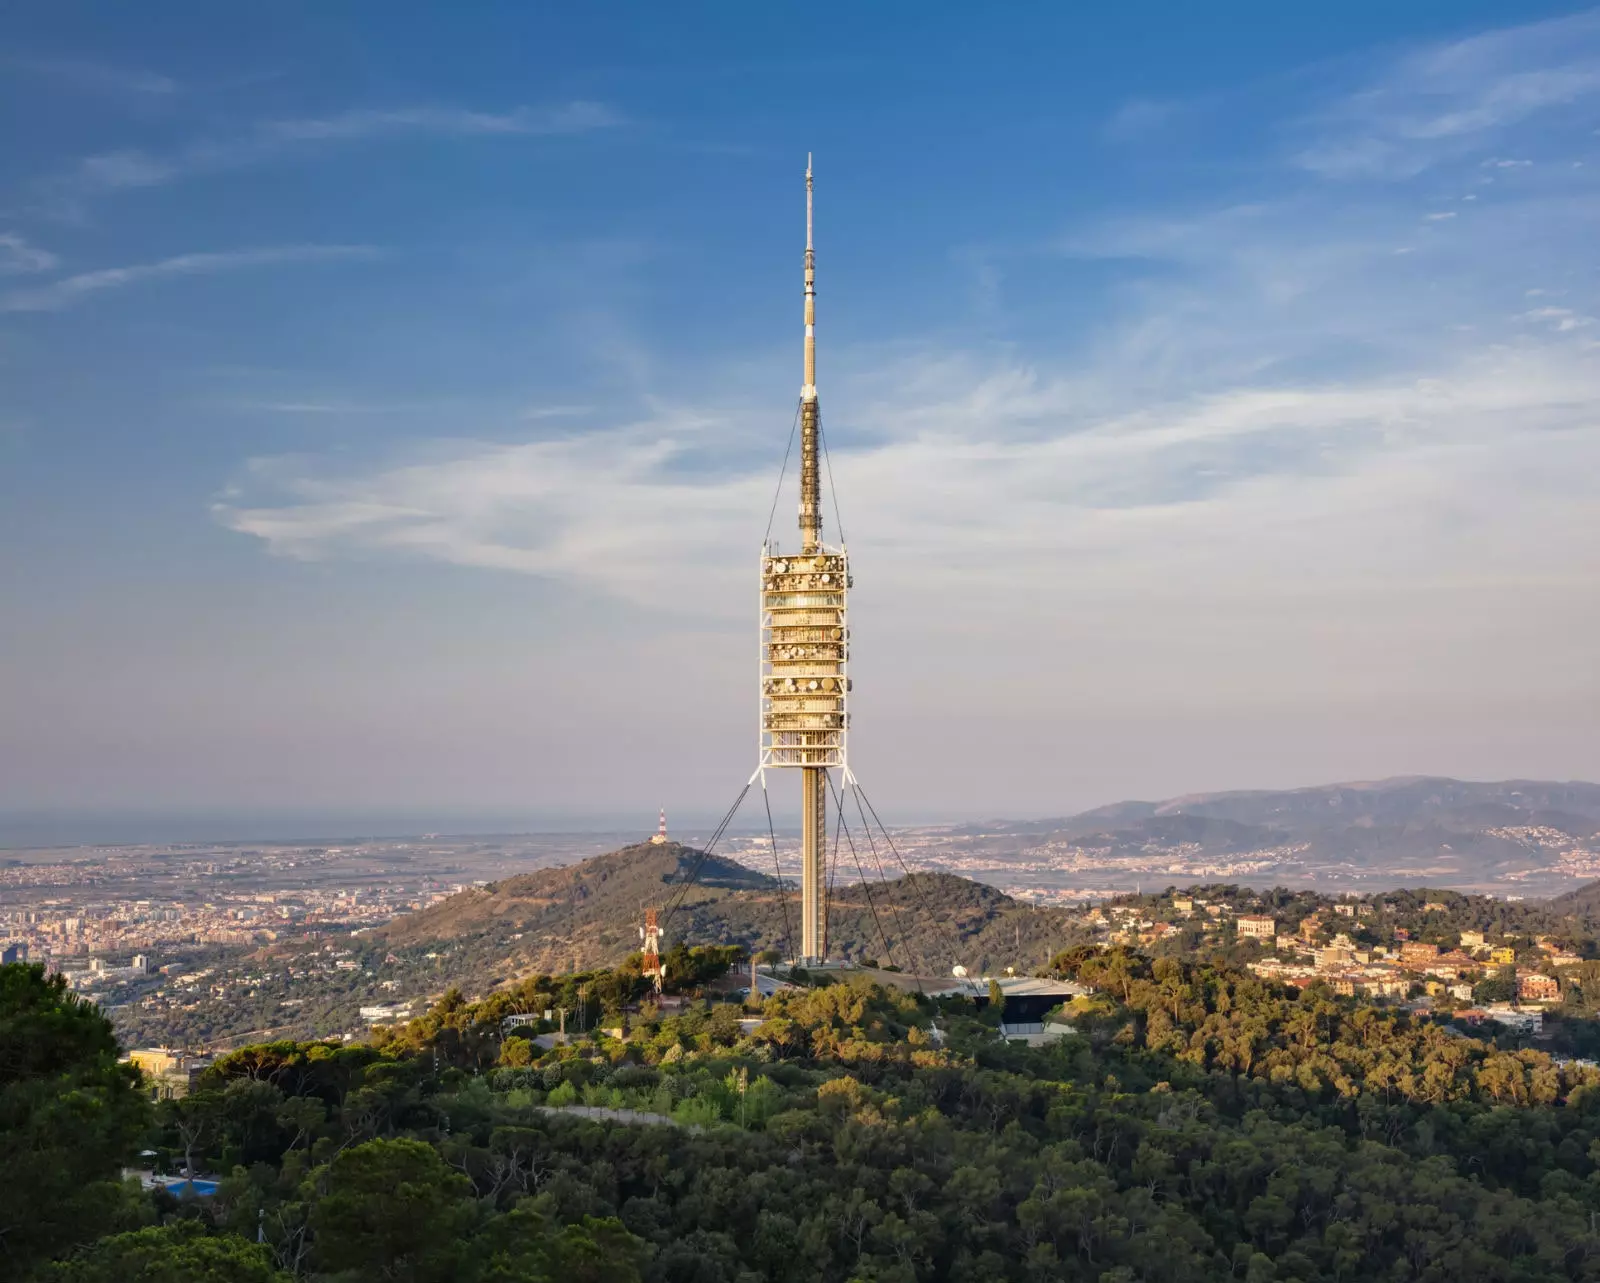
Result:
[
  {"x": 716, "y": 837},
  {"x": 894, "y": 909},
  {"x": 783, "y": 471},
  {"x": 832, "y": 877},
  {"x": 866, "y": 887},
  {"x": 833, "y": 490},
  {"x": 777, "y": 869},
  {"x": 861, "y": 797}
]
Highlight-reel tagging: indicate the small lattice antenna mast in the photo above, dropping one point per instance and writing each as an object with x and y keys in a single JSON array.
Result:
[{"x": 650, "y": 964}]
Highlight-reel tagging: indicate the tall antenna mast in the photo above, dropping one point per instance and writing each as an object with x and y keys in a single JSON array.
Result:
[
  {"x": 813, "y": 780},
  {"x": 804, "y": 643},
  {"x": 810, "y": 483}
]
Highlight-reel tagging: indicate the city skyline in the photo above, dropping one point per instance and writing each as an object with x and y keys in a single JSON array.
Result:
[{"x": 390, "y": 422}]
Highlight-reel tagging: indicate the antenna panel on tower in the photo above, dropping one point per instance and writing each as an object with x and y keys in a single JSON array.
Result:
[{"x": 805, "y": 653}]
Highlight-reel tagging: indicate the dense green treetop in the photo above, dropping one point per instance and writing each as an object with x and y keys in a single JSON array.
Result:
[
  {"x": 179, "y": 1252},
  {"x": 70, "y": 1117}
]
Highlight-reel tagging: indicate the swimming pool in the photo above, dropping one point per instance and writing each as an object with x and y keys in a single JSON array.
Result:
[{"x": 199, "y": 1188}]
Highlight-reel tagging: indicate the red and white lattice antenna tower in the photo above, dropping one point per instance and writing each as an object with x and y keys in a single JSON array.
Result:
[
  {"x": 660, "y": 838},
  {"x": 650, "y": 933}
]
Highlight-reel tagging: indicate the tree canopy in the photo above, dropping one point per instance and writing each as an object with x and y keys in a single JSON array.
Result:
[
  {"x": 1200, "y": 1124},
  {"x": 70, "y": 1117}
]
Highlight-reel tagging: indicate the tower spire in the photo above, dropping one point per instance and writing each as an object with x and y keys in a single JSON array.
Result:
[
  {"x": 809, "y": 391},
  {"x": 810, "y": 479}
]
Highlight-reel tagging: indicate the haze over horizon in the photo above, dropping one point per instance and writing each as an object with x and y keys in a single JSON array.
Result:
[
  {"x": 389, "y": 421},
  {"x": 64, "y": 827}
]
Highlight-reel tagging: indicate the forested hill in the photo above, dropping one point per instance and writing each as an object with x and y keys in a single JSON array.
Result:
[
  {"x": 1584, "y": 902},
  {"x": 591, "y": 893},
  {"x": 587, "y": 915},
  {"x": 1199, "y": 1125}
]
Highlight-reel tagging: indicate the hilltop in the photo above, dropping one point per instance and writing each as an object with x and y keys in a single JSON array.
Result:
[
  {"x": 593, "y": 907},
  {"x": 587, "y": 915}
]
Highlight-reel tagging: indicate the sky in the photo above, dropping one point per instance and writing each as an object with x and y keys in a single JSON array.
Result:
[{"x": 392, "y": 399}]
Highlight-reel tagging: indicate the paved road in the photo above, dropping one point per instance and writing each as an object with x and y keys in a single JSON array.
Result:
[
  {"x": 769, "y": 985},
  {"x": 615, "y": 1115}
]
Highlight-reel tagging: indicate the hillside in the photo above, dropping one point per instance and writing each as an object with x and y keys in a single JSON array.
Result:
[
  {"x": 1582, "y": 903},
  {"x": 588, "y": 914},
  {"x": 1454, "y": 832},
  {"x": 591, "y": 892}
]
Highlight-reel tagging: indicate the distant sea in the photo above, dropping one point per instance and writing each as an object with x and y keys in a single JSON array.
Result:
[{"x": 23, "y": 829}]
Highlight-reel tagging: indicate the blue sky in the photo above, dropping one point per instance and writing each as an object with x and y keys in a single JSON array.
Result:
[{"x": 391, "y": 400}]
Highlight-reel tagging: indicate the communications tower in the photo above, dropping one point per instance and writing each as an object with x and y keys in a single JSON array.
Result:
[
  {"x": 650, "y": 955},
  {"x": 805, "y": 637}
]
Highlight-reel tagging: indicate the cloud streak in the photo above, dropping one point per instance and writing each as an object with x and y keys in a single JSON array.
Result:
[
  {"x": 1222, "y": 486},
  {"x": 567, "y": 118},
  {"x": 99, "y": 77},
  {"x": 1441, "y": 102},
  {"x": 1138, "y": 118},
  {"x": 272, "y": 140},
  {"x": 72, "y": 290},
  {"x": 19, "y": 256}
]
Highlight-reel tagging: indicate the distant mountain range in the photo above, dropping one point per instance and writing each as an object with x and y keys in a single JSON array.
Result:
[
  {"x": 1401, "y": 800},
  {"x": 1459, "y": 832}
]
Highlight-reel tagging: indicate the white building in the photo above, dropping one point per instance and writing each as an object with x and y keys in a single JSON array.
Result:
[{"x": 1255, "y": 927}]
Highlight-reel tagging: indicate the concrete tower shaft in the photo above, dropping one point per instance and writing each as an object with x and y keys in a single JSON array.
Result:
[{"x": 813, "y": 849}]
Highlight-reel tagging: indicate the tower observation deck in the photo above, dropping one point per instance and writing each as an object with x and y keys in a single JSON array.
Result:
[{"x": 805, "y": 644}]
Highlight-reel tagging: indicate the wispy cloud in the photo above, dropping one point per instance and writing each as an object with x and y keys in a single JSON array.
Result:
[
  {"x": 1231, "y": 480},
  {"x": 1561, "y": 319},
  {"x": 71, "y": 290},
  {"x": 566, "y": 118},
  {"x": 1137, "y": 118},
  {"x": 328, "y": 407},
  {"x": 276, "y": 139},
  {"x": 18, "y": 255},
  {"x": 113, "y": 170},
  {"x": 98, "y": 77},
  {"x": 1443, "y": 101}
]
